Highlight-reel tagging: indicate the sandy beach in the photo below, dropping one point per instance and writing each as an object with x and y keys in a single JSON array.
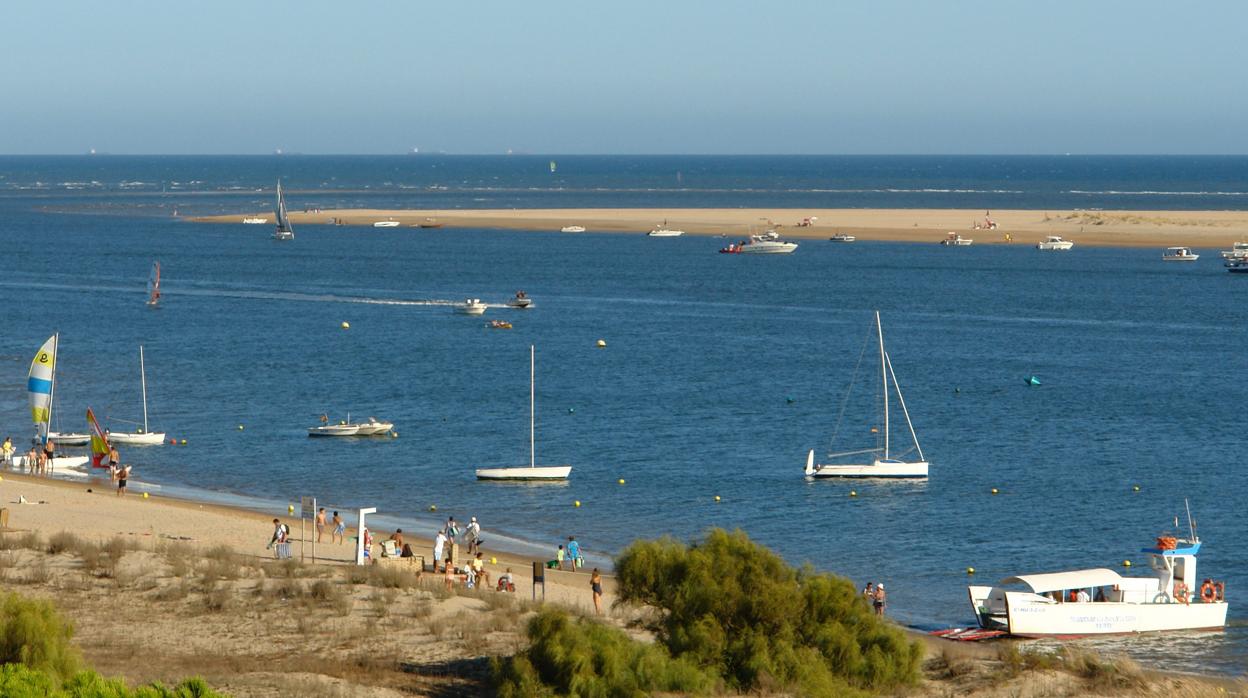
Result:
[{"x": 1201, "y": 229}]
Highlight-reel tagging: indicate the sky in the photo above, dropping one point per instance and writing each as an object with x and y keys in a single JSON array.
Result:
[{"x": 636, "y": 77}]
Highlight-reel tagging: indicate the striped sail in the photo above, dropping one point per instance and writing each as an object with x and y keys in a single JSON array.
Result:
[
  {"x": 39, "y": 383},
  {"x": 99, "y": 442}
]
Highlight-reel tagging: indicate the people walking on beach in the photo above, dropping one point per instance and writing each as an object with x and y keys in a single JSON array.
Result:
[
  {"x": 340, "y": 529},
  {"x": 595, "y": 585},
  {"x": 574, "y": 553},
  {"x": 7, "y": 450},
  {"x": 560, "y": 556},
  {"x": 123, "y": 474},
  {"x": 320, "y": 524},
  {"x": 472, "y": 534},
  {"x": 439, "y": 542},
  {"x": 880, "y": 600}
]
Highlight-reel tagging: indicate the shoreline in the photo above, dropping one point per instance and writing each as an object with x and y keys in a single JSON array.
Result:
[{"x": 1086, "y": 227}]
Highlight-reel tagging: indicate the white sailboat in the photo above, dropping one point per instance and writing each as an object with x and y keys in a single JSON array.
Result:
[
  {"x": 885, "y": 465},
  {"x": 144, "y": 437},
  {"x": 283, "y": 231},
  {"x": 532, "y": 471},
  {"x": 153, "y": 286},
  {"x": 41, "y": 390}
]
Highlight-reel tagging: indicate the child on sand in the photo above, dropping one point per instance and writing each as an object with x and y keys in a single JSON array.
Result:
[{"x": 340, "y": 529}]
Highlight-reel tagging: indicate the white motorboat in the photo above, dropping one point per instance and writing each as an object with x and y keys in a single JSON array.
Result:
[
  {"x": 1100, "y": 601},
  {"x": 842, "y": 237},
  {"x": 665, "y": 232},
  {"x": 885, "y": 464},
  {"x": 1179, "y": 254},
  {"x": 532, "y": 471},
  {"x": 69, "y": 439},
  {"x": 953, "y": 239},
  {"x": 572, "y": 229},
  {"x": 283, "y": 231},
  {"x": 471, "y": 306},
  {"x": 1238, "y": 250},
  {"x": 386, "y": 224},
  {"x": 144, "y": 437},
  {"x": 767, "y": 243},
  {"x": 520, "y": 301},
  {"x": 1054, "y": 242},
  {"x": 373, "y": 427},
  {"x": 343, "y": 429},
  {"x": 254, "y": 220}
]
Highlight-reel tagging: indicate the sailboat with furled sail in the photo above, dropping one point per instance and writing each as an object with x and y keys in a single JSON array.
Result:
[
  {"x": 41, "y": 391},
  {"x": 283, "y": 231},
  {"x": 153, "y": 286},
  {"x": 144, "y": 437},
  {"x": 532, "y": 471}
]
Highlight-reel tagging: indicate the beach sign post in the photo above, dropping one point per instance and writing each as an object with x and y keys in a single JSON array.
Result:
[
  {"x": 539, "y": 575},
  {"x": 359, "y": 534},
  {"x": 307, "y": 509}
]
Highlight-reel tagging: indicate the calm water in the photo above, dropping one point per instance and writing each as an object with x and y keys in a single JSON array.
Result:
[{"x": 720, "y": 372}]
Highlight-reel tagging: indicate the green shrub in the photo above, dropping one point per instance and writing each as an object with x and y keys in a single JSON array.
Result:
[
  {"x": 19, "y": 681},
  {"x": 580, "y": 657},
  {"x": 33, "y": 633},
  {"x": 734, "y": 605}
]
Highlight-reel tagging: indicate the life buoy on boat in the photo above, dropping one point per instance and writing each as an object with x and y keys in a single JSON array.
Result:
[
  {"x": 1180, "y": 593},
  {"x": 1207, "y": 594},
  {"x": 1161, "y": 597},
  {"x": 1219, "y": 588}
]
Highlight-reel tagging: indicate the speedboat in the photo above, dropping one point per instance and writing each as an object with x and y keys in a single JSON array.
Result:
[
  {"x": 1100, "y": 601},
  {"x": 471, "y": 306},
  {"x": 343, "y": 429},
  {"x": 373, "y": 427},
  {"x": 1053, "y": 242},
  {"x": 572, "y": 229},
  {"x": 386, "y": 224},
  {"x": 664, "y": 232},
  {"x": 521, "y": 301},
  {"x": 839, "y": 237},
  {"x": 767, "y": 243},
  {"x": 953, "y": 239},
  {"x": 1179, "y": 254},
  {"x": 1239, "y": 249}
]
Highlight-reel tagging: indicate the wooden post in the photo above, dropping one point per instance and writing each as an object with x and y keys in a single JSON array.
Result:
[{"x": 539, "y": 575}]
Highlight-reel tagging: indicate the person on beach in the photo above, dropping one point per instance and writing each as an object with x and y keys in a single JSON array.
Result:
[
  {"x": 473, "y": 535},
  {"x": 49, "y": 449},
  {"x": 574, "y": 553},
  {"x": 559, "y": 556},
  {"x": 880, "y": 600},
  {"x": 478, "y": 569},
  {"x": 439, "y": 542},
  {"x": 7, "y": 450},
  {"x": 340, "y": 529},
  {"x": 452, "y": 530},
  {"x": 32, "y": 459},
  {"x": 450, "y": 574},
  {"x": 506, "y": 582},
  {"x": 320, "y": 524},
  {"x": 868, "y": 592},
  {"x": 595, "y": 585},
  {"x": 114, "y": 458},
  {"x": 40, "y": 462},
  {"x": 123, "y": 474},
  {"x": 397, "y": 537},
  {"x": 278, "y": 539}
]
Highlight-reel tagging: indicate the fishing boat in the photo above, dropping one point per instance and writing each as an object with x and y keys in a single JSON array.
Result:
[
  {"x": 153, "y": 286},
  {"x": 767, "y": 243},
  {"x": 41, "y": 391},
  {"x": 839, "y": 237},
  {"x": 144, "y": 437},
  {"x": 886, "y": 464},
  {"x": 334, "y": 430},
  {"x": 1099, "y": 601},
  {"x": 953, "y": 239},
  {"x": 1179, "y": 254},
  {"x": 532, "y": 471},
  {"x": 572, "y": 229},
  {"x": 283, "y": 231},
  {"x": 1054, "y": 242},
  {"x": 386, "y": 224},
  {"x": 471, "y": 306},
  {"x": 373, "y": 427},
  {"x": 520, "y": 301}
]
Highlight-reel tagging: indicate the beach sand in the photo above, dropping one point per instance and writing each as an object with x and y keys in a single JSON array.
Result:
[{"x": 1201, "y": 229}]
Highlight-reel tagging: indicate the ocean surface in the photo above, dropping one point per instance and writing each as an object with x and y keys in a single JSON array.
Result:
[{"x": 720, "y": 371}]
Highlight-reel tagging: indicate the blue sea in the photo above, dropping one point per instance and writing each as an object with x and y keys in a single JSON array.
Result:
[{"x": 720, "y": 371}]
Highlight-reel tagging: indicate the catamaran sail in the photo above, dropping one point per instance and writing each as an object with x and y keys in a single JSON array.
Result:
[
  {"x": 40, "y": 386},
  {"x": 99, "y": 442},
  {"x": 284, "y": 231},
  {"x": 153, "y": 285}
]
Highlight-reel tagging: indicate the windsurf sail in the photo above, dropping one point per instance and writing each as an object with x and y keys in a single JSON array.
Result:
[
  {"x": 99, "y": 442},
  {"x": 153, "y": 285},
  {"x": 40, "y": 384}
]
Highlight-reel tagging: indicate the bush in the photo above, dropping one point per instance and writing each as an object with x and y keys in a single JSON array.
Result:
[
  {"x": 18, "y": 681},
  {"x": 732, "y": 604},
  {"x": 33, "y": 633},
  {"x": 585, "y": 658}
]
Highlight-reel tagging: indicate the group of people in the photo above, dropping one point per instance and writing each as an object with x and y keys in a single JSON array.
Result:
[
  {"x": 569, "y": 556},
  {"x": 875, "y": 595},
  {"x": 448, "y": 534},
  {"x": 339, "y": 532},
  {"x": 38, "y": 460}
]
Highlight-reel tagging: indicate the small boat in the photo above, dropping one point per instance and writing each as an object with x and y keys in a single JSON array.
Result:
[
  {"x": 732, "y": 248},
  {"x": 144, "y": 437},
  {"x": 884, "y": 465},
  {"x": 532, "y": 471},
  {"x": 839, "y": 237},
  {"x": 334, "y": 430},
  {"x": 1179, "y": 254},
  {"x": 572, "y": 229},
  {"x": 41, "y": 389},
  {"x": 953, "y": 239},
  {"x": 767, "y": 243},
  {"x": 69, "y": 438},
  {"x": 255, "y": 220},
  {"x": 153, "y": 286},
  {"x": 1100, "y": 601},
  {"x": 1237, "y": 266},
  {"x": 665, "y": 232},
  {"x": 1239, "y": 249},
  {"x": 1054, "y": 242},
  {"x": 520, "y": 301},
  {"x": 498, "y": 325},
  {"x": 283, "y": 231},
  {"x": 429, "y": 223},
  {"x": 471, "y": 306},
  {"x": 373, "y": 427},
  {"x": 386, "y": 224}
]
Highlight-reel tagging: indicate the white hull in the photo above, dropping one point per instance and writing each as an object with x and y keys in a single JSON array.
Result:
[
  {"x": 880, "y": 468},
  {"x": 472, "y": 306},
  {"x": 335, "y": 430},
  {"x": 665, "y": 233},
  {"x": 572, "y": 229},
  {"x": 957, "y": 242},
  {"x": 1055, "y": 244},
  {"x": 58, "y": 462},
  {"x": 386, "y": 224},
  {"x": 373, "y": 428},
  {"x": 768, "y": 247},
  {"x": 1180, "y": 258},
  {"x": 1033, "y": 615},
  {"x": 70, "y": 439},
  {"x": 137, "y": 439},
  {"x": 255, "y": 221},
  {"x": 541, "y": 472},
  {"x": 285, "y": 235}
]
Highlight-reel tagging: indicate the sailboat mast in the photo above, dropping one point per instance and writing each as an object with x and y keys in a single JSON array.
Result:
[
  {"x": 884, "y": 378},
  {"x": 532, "y": 394},
  {"x": 143, "y": 382},
  {"x": 904, "y": 410},
  {"x": 47, "y": 427}
]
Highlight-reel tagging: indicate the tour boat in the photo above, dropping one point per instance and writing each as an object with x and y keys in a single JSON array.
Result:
[
  {"x": 885, "y": 464},
  {"x": 532, "y": 471},
  {"x": 572, "y": 229},
  {"x": 283, "y": 231},
  {"x": 767, "y": 243},
  {"x": 1179, "y": 254},
  {"x": 144, "y": 437},
  {"x": 1053, "y": 242},
  {"x": 839, "y": 237},
  {"x": 386, "y": 224},
  {"x": 956, "y": 240},
  {"x": 1100, "y": 601},
  {"x": 471, "y": 306}
]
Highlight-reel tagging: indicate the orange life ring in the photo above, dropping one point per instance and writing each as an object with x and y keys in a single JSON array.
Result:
[
  {"x": 1207, "y": 594},
  {"x": 1180, "y": 593},
  {"x": 1219, "y": 588}
]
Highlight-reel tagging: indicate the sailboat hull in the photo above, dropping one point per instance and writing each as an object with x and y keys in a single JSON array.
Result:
[
  {"x": 878, "y": 469},
  {"x": 541, "y": 472},
  {"x": 137, "y": 439}
]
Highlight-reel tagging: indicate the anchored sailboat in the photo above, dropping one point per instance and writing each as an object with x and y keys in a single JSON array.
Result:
[
  {"x": 41, "y": 390},
  {"x": 533, "y": 471},
  {"x": 141, "y": 438},
  {"x": 884, "y": 465},
  {"x": 283, "y": 231},
  {"x": 153, "y": 286}
]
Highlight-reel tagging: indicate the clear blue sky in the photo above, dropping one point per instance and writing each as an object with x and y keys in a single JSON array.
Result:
[{"x": 642, "y": 76}]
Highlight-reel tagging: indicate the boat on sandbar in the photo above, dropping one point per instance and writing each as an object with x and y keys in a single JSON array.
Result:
[
  {"x": 532, "y": 471},
  {"x": 1054, "y": 242},
  {"x": 1179, "y": 254},
  {"x": 572, "y": 229},
  {"x": 953, "y": 239},
  {"x": 386, "y": 224}
]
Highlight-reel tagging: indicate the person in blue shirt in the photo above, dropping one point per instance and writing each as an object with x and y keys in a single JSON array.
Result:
[{"x": 574, "y": 553}]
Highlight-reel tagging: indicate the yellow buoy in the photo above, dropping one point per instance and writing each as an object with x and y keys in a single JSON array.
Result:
[
  {"x": 717, "y": 498},
  {"x": 970, "y": 570},
  {"x": 995, "y": 490},
  {"x": 577, "y": 503},
  {"x": 493, "y": 561},
  {"x": 433, "y": 507},
  {"x": 853, "y": 493},
  {"x": 1126, "y": 563},
  {"x": 621, "y": 481},
  {"x": 346, "y": 325},
  {"x": 290, "y": 508},
  {"x": 1135, "y": 488},
  {"x": 144, "y": 495},
  {"x": 183, "y": 442},
  {"x": 602, "y": 344}
]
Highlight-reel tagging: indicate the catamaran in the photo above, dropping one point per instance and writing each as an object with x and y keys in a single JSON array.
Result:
[
  {"x": 885, "y": 465},
  {"x": 283, "y": 231},
  {"x": 153, "y": 286},
  {"x": 532, "y": 471},
  {"x": 41, "y": 389},
  {"x": 144, "y": 437}
]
